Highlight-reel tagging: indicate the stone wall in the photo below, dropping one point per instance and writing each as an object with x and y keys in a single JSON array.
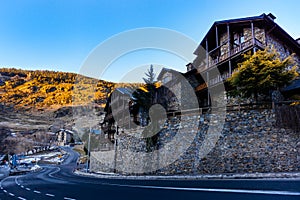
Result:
[
  {"x": 260, "y": 35},
  {"x": 224, "y": 42},
  {"x": 249, "y": 142},
  {"x": 247, "y": 32},
  {"x": 281, "y": 48}
]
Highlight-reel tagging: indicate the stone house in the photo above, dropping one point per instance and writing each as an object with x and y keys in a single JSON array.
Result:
[
  {"x": 226, "y": 41},
  {"x": 115, "y": 107},
  {"x": 217, "y": 56},
  {"x": 64, "y": 137},
  {"x": 124, "y": 112},
  {"x": 172, "y": 88},
  {"x": 237, "y": 151}
]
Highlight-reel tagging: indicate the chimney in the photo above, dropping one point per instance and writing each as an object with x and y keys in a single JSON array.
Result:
[
  {"x": 271, "y": 16},
  {"x": 189, "y": 67}
]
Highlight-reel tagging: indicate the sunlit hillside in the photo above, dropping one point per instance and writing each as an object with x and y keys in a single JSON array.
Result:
[{"x": 46, "y": 89}]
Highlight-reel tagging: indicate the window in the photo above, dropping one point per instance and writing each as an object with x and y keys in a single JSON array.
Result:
[
  {"x": 166, "y": 79},
  {"x": 242, "y": 38},
  {"x": 238, "y": 38}
]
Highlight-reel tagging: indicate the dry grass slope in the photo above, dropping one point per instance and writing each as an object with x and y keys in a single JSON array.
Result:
[{"x": 46, "y": 89}]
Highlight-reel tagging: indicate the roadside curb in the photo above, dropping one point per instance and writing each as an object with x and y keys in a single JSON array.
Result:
[{"x": 288, "y": 175}]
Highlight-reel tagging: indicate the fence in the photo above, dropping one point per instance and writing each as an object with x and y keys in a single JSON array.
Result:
[
  {"x": 286, "y": 114},
  {"x": 237, "y": 107}
]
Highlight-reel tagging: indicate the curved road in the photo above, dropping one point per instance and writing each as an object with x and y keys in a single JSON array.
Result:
[{"x": 58, "y": 182}]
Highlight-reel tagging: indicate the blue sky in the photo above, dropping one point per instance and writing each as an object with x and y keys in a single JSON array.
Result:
[{"x": 59, "y": 35}]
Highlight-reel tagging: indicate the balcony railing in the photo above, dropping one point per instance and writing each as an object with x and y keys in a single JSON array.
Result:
[
  {"x": 240, "y": 48},
  {"x": 219, "y": 78}
]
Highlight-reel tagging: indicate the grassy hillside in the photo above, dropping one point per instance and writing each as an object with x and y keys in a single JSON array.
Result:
[{"x": 45, "y": 89}]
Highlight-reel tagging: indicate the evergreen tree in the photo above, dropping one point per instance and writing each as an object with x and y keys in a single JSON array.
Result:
[
  {"x": 145, "y": 97},
  {"x": 150, "y": 76},
  {"x": 261, "y": 73}
]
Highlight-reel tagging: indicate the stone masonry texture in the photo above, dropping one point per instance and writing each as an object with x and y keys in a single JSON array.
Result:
[{"x": 249, "y": 142}]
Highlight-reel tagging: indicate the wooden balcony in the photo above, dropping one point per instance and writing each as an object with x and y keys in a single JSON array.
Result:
[
  {"x": 234, "y": 51},
  {"x": 219, "y": 78}
]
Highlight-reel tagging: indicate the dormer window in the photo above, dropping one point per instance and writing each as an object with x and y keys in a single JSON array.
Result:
[{"x": 166, "y": 78}]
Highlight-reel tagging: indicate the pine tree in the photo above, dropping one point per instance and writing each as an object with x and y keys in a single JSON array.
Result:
[
  {"x": 145, "y": 97},
  {"x": 150, "y": 76},
  {"x": 261, "y": 73}
]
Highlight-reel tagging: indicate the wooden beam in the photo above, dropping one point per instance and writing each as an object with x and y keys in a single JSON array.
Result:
[
  {"x": 253, "y": 35},
  {"x": 230, "y": 69},
  {"x": 228, "y": 39},
  {"x": 206, "y": 48},
  {"x": 207, "y": 79},
  {"x": 217, "y": 36}
]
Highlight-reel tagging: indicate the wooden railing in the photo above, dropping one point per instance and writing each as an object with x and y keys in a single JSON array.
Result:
[
  {"x": 240, "y": 48},
  {"x": 219, "y": 78}
]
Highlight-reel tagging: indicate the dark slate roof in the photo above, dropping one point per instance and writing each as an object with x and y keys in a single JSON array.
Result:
[
  {"x": 164, "y": 70},
  {"x": 293, "y": 86},
  {"x": 125, "y": 91},
  {"x": 244, "y": 19}
]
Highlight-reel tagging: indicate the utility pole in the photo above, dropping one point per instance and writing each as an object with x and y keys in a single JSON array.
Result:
[
  {"x": 115, "y": 148},
  {"x": 89, "y": 148}
]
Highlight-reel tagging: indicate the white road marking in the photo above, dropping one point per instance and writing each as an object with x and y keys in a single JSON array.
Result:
[
  {"x": 269, "y": 192},
  {"x": 16, "y": 181},
  {"x": 11, "y": 194},
  {"x": 21, "y": 198},
  {"x": 22, "y": 186},
  {"x": 51, "y": 174},
  {"x": 67, "y": 198},
  {"x": 50, "y": 195},
  {"x": 28, "y": 189},
  {"x": 38, "y": 192},
  {"x": 1, "y": 188},
  {"x": 4, "y": 191}
]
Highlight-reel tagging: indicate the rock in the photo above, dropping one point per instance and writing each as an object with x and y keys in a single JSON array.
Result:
[{"x": 52, "y": 89}]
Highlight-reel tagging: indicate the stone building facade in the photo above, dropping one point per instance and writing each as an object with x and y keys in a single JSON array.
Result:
[
  {"x": 248, "y": 142},
  {"x": 64, "y": 137},
  {"x": 227, "y": 41}
]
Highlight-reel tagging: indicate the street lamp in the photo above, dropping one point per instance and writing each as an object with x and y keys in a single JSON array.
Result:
[
  {"x": 115, "y": 148},
  {"x": 89, "y": 151}
]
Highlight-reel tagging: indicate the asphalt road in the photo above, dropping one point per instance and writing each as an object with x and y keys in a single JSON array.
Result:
[{"x": 58, "y": 182}]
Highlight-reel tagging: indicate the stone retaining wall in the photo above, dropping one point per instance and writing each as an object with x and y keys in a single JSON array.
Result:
[{"x": 249, "y": 142}]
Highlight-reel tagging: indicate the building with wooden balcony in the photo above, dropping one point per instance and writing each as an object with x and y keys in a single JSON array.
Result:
[
  {"x": 117, "y": 106},
  {"x": 217, "y": 56},
  {"x": 223, "y": 47},
  {"x": 124, "y": 112}
]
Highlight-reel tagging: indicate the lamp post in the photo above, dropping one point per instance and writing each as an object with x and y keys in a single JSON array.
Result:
[
  {"x": 92, "y": 122},
  {"x": 88, "y": 153},
  {"x": 115, "y": 148}
]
